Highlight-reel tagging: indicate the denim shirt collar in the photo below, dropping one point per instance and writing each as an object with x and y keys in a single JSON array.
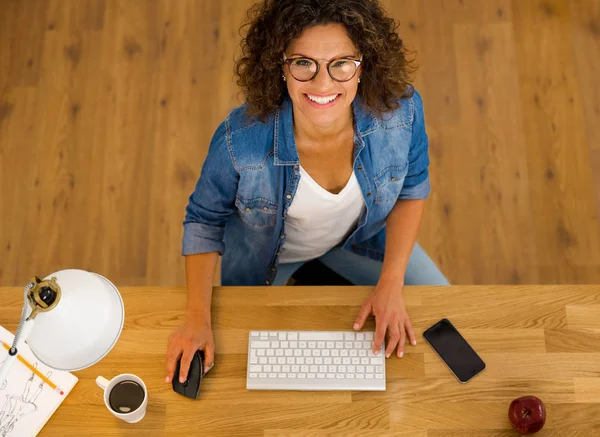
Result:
[{"x": 285, "y": 147}]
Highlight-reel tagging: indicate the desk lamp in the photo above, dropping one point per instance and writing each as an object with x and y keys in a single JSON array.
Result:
[{"x": 70, "y": 320}]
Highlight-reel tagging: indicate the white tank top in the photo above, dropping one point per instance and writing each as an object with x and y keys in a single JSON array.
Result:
[{"x": 319, "y": 220}]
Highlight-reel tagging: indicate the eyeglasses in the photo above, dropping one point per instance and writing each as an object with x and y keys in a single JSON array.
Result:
[{"x": 306, "y": 69}]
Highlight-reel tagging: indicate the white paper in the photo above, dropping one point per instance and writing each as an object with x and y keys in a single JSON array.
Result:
[{"x": 26, "y": 401}]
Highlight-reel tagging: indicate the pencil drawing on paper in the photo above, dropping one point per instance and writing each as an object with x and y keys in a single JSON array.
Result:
[{"x": 16, "y": 406}]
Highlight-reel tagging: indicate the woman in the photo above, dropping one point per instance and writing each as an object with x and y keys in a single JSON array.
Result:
[{"x": 327, "y": 160}]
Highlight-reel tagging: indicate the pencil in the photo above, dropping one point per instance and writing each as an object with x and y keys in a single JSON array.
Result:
[{"x": 36, "y": 371}]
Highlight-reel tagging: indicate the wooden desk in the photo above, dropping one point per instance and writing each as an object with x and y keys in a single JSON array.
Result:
[{"x": 540, "y": 340}]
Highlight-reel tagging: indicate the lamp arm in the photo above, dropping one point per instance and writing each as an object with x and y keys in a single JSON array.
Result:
[
  {"x": 23, "y": 330},
  {"x": 12, "y": 353}
]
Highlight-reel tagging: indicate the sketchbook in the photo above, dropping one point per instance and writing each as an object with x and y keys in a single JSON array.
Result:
[{"x": 26, "y": 400}]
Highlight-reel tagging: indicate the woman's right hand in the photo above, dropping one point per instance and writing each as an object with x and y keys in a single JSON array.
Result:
[{"x": 195, "y": 334}]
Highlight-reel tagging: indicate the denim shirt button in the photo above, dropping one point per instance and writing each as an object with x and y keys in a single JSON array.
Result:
[
  {"x": 282, "y": 235},
  {"x": 247, "y": 209},
  {"x": 267, "y": 282},
  {"x": 368, "y": 194},
  {"x": 289, "y": 196},
  {"x": 359, "y": 168}
]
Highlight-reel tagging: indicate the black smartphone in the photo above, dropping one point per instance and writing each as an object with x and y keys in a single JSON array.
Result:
[{"x": 454, "y": 350}]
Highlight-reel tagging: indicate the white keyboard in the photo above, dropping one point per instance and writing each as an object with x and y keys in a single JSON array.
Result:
[{"x": 314, "y": 360}]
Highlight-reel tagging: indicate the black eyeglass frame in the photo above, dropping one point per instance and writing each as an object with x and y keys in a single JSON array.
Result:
[{"x": 287, "y": 60}]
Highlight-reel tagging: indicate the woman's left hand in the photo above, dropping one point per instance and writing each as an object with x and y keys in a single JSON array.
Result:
[{"x": 387, "y": 305}]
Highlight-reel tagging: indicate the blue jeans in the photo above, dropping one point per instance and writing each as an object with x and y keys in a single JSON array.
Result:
[{"x": 360, "y": 270}]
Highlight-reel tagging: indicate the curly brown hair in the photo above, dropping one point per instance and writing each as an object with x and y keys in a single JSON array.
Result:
[{"x": 273, "y": 24}]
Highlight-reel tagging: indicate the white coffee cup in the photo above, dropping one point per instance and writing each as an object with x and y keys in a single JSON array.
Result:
[{"x": 132, "y": 416}]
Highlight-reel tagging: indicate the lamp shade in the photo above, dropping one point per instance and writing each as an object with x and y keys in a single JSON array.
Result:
[{"x": 84, "y": 325}]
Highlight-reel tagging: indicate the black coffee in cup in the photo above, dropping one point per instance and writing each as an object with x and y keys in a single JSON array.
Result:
[{"x": 126, "y": 396}]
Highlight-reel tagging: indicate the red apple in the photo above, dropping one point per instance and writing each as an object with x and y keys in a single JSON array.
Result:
[{"x": 527, "y": 414}]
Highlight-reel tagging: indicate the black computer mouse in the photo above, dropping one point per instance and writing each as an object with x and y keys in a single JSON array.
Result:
[{"x": 191, "y": 387}]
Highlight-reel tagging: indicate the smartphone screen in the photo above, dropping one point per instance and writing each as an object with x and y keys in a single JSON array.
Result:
[{"x": 454, "y": 350}]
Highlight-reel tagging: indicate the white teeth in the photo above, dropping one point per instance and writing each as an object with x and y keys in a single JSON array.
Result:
[{"x": 322, "y": 100}]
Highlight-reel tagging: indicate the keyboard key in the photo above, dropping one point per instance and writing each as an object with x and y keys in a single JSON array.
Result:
[
  {"x": 321, "y": 344},
  {"x": 281, "y": 360},
  {"x": 378, "y": 369},
  {"x": 257, "y": 344},
  {"x": 310, "y": 360},
  {"x": 330, "y": 369},
  {"x": 267, "y": 368},
  {"x": 304, "y": 369},
  {"x": 312, "y": 344},
  {"x": 349, "y": 336},
  {"x": 339, "y": 344},
  {"x": 283, "y": 375},
  {"x": 253, "y": 360},
  {"x": 342, "y": 369},
  {"x": 355, "y": 361},
  {"x": 285, "y": 369},
  {"x": 379, "y": 375},
  {"x": 377, "y": 360},
  {"x": 327, "y": 360},
  {"x": 360, "y": 336},
  {"x": 340, "y": 375},
  {"x": 325, "y": 352},
  {"x": 330, "y": 344},
  {"x": 370, "y": 369},
  {"x": 337, "y": 361},
  {"x": 322, "y": 369},
  {"x": 316, "y": 353},
  {"x": 335, "y": 353},
  {"x": 289, "y": 360},
  {"x": 262, "y": 360},
  {"x": 291, "y": 375},
  {"x": 272, "y": 360},
  {"x": 285, "y": 344},
  {"x": 369, "y": 336},
  {"x": 343, "y": 353},
  {"x": 314, "y": 369},
  {"x": 310, "y": 376},
  {"x": 261, "y": 352},
  {"x": 346, "y": 361},
  {"x": 262, "y": 375},
  {"x": 321, "y": 336},
  {"x": 253, "y": 375},
  {"x": 293, "y": 344},
  {"x": 276, "y": 368},
  {"x": 302, "y": 345},
  {"x": 275, "y": 344},
  {"x": 301, "y": 376},
  {"x": 348, "y": 345},
  {"x": 288, "y": 352},
  {"x": 297, "y": 352},
  {"x": 254, "y": 334},
  {"x": 360, "y": 369},
  {"x": 358, "y": 344},
  {"x": 318, "y": 360},
  {"x": 331, "y": 376},
  {"x": 350, "y": 375},
  {"x": 353, "y": 353},
  {"x": 270, "y": 353},
  {"x": 255, "y": 368},
  {"x": 292, "y": 336},
  {"x": 351, "y": 369},
  {"x": 279, "y": 353},
  {"x": 296, "y": 368},
  {"x": 300, "y": 360},
  {"x": 282, "y": 336}
]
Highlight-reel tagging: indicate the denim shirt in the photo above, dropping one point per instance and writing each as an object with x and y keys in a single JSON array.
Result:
[{"x": 251, "y": 173}]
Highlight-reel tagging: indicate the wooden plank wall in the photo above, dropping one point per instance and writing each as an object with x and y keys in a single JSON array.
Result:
[{"x": 107, "y": 108}]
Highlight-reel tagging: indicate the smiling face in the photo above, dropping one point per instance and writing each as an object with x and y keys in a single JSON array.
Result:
[{"x": 322, "y": 101}]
